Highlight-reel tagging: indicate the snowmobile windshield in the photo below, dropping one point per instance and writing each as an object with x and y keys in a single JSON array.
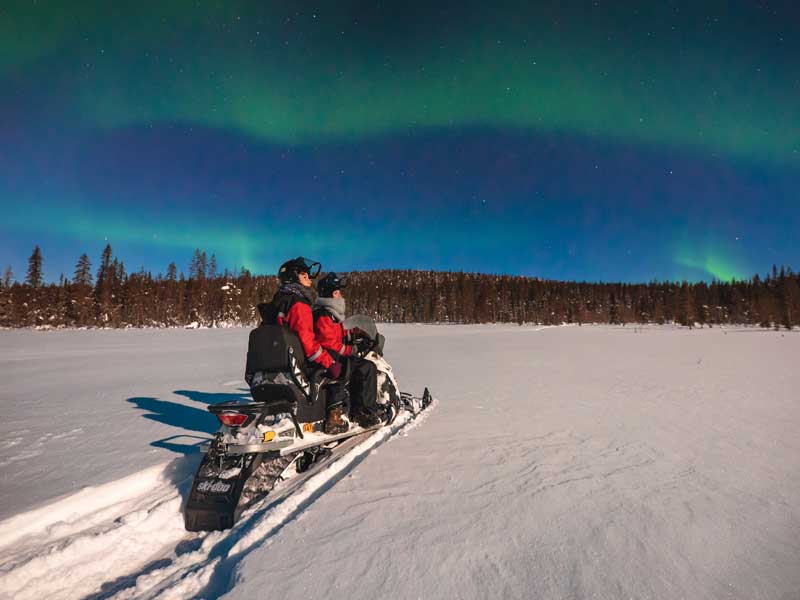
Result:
[
  {"x": 362, "y": 322},
  {"x": 308, "y": 266}
]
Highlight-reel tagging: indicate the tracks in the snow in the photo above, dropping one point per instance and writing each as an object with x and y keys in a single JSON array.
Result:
[{"x": 126, "y": 539}]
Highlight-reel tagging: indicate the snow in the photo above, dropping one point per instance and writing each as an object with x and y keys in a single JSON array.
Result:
[
  {"x": 601, "y": 462},
  {"x": 84, "y": 408}
]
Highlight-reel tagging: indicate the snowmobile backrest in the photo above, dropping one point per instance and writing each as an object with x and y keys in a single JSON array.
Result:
[
  {"x": 268, "y": 313},
  {"x": 278, "y": 372},
  {"x": 274, "y": 349}
]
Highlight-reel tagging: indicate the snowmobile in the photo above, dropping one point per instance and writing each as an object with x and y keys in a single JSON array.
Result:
[{"x": 259, "y": 443}]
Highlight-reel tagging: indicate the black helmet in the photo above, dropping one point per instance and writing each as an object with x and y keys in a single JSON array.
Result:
[
  {"x": 329, "y": 284},
  {"x": 288, "y": 271}
]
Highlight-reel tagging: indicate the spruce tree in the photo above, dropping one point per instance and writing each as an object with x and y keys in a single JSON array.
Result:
[
  {"x": 788, "y": 298},
  {"x": 104, "y": 271},
  {"x": 6, "y": 299},
  {"x": 34, "y": 276},
  {"x": 81, "y": 302},
  {"x": 102, "y": 289},
  {"x": 83, "y": 271},
  {"x": 193, "y": 264},
  {"x": 613, "y": 310},
  {"x": 198, "y": 265}
]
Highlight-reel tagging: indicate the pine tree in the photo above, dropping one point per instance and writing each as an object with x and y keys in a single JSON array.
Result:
[
  {"x": 613, "y": 310},
  {"x": 6, "y": 317},
  {"x": 119, "y": 291},
  {"x": 212, "y": 267},
  {"x": 198, "y": 265},
  {"x": 34, "y": 277},
  {"x": 788, "y": 298},
  {"x": 79, "y": 295},
  {"x": 170, "y": 314},
  {"x": 7, "y": 299},
  {"x": 103, "y": 287},
  {"x": 105, "y": 263},
  {"x": 685, "y": 309},
  {"x": 83, "y": 271}
]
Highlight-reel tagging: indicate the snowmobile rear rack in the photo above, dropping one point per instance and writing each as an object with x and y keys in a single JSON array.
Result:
[{"x": 258, "y": 410}]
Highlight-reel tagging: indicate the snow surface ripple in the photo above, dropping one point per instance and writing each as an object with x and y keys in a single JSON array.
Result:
[
  {"x": 572, "y": 462},
  {"x": 126, "y": 539}
]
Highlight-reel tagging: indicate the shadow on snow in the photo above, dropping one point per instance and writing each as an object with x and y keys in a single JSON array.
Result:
[
  {"x": 183, "y": 416},
  {"x": 199, "y": 424}
]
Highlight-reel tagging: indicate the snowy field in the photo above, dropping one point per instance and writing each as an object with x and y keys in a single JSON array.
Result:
[{"x": 592, "y": 462}]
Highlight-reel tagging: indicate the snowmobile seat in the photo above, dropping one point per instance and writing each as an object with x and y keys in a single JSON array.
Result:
[{"x": 279, "y": 375}]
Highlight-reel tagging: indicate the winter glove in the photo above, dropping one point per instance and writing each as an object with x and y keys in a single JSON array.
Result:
[
  {"x": 334, "y": 371},
  {"x": 363, "y": 345}
]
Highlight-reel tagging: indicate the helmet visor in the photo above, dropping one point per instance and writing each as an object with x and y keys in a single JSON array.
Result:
[{"x": 308, "y": 266}]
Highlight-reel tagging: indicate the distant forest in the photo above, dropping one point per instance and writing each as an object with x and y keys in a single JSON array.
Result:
[{"x": 112, "y": 297}]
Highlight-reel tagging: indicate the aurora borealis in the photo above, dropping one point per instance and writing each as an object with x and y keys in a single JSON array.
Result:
[{"x": 572, "y": 140}]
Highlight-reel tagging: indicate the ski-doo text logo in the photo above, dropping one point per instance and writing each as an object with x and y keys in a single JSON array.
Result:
[{"x": 214, "y": 487}]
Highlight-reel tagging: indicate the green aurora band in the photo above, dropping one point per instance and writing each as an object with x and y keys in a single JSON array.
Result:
[
  {"x": 716, "y": 259},
  {"x": 258, "y": 249},
  {"x": 334, "y": 74},
  {"x": 242, "y": 246},
  {"x": 214, "y": 67}
]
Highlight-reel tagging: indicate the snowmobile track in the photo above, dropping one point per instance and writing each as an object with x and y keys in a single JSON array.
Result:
[{"x": 136, "y": 547}]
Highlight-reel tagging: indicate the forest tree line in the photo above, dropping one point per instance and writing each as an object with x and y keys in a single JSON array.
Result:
[{"x": 111, "y": 297}]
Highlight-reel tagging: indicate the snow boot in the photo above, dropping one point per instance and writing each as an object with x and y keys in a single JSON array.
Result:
[
  {"x": 335, "y": 422},
  {"x": 366, "y": 418}
]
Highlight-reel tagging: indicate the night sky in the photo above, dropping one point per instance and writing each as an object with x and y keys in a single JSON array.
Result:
[{"x": 574, "y": 140}]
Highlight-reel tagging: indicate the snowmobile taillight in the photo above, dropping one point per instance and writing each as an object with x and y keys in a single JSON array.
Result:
[{"x": 232, "y": 419}]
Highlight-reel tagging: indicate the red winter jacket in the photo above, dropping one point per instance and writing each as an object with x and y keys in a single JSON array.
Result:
[
  {"x": 331, "y": 334},
  {"x": 301, "y": 321}
]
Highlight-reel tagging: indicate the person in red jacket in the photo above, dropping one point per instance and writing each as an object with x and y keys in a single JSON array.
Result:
[
  {"x": 329, "y": 312},
  {"x": 291, "y": 306}
]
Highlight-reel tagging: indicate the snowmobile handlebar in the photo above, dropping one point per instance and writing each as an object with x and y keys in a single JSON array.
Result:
[{"x": 365, "y": 344}]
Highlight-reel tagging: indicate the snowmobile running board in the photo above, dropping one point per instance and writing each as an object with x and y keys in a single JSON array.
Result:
[
  {"x": 287, "y": 446},
  {"x": 214, "y": 501}
]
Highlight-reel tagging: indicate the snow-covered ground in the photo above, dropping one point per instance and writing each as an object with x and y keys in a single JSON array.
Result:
[{"x": 591, "y": 462}]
